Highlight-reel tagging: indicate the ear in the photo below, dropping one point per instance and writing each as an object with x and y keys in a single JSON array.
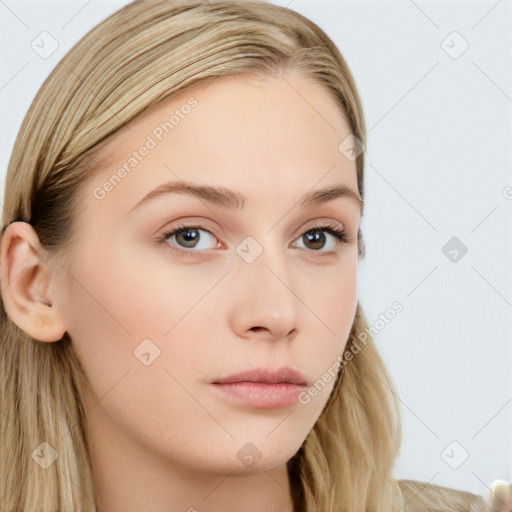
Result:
[{"x": 25, "y": 274}]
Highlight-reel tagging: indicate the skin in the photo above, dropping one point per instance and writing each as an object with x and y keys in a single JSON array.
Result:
[{"x": 162, "y": 440}]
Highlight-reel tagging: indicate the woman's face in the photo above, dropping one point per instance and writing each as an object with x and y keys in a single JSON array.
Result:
[{"x": 157, "y": 320}]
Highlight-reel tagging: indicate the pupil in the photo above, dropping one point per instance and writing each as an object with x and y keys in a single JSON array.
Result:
[
  {"x": 189, "y": 239},
  {"x": 317, "y": 237}
]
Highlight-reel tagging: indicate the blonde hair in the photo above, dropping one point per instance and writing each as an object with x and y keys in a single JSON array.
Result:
[{"x": 140, "y": 55}]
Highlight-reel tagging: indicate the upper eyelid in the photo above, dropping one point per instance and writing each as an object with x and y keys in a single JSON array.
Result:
[
  {"x": 203, "y": 223},
  {"x": 318, "y": 223}
]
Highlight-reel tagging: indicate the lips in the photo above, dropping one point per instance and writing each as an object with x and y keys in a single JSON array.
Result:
[
  {"x": 282, "y": 375},
  {"x": 263, "y": 388}
]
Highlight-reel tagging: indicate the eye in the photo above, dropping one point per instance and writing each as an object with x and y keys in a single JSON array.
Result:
[
  {"x": 188, "y": 236},
  {"x": 183, "y": 238},
  {"x": 315, "y": 237}
]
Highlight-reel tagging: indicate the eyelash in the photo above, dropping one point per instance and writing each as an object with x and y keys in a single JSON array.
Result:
[{"x": 332, "y": 229}]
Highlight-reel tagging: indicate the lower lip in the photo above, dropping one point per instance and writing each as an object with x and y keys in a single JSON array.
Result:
[{"x": 267, "y": 396}]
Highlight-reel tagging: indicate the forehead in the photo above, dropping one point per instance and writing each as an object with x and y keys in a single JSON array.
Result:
[{"x": 259, "y": 137}]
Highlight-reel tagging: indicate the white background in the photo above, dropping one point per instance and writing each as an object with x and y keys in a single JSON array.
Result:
[{"x": 438, "y": 164}]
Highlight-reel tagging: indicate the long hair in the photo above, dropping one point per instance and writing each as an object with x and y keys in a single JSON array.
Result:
[{"x": 146, "y": 52}]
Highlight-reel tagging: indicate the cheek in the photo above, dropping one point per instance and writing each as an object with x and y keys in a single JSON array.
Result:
[
  {"x": 332, "y": 304},
  {"x": 118, "y": 316},
  {"x": 340, "y": 298},
  {"x": 124, "y": 312},
  {"x": 331, "y": 298}
]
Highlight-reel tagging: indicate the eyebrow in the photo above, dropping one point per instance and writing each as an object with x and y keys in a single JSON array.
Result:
[{"x": 231, "y": 199}]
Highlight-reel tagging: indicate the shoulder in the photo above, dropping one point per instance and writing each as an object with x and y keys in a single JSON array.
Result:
[{"x": 424, "y": 497}]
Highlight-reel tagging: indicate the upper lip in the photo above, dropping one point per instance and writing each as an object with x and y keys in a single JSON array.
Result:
[{"x": 266, "y": 376}]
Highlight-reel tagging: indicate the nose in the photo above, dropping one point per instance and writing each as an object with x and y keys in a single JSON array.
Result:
[{"x": 264, "y": 303}]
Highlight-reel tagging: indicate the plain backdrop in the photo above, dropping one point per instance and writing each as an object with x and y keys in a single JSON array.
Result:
[{"x": 435, "y": 78}]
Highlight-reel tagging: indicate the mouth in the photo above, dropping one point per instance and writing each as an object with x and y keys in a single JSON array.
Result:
[
  {"x": 265, "y": 388},
  {"x": 282, "y": 375}
]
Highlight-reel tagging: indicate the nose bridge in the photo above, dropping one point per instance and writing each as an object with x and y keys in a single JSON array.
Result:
[{"x": 265, "y": 282}]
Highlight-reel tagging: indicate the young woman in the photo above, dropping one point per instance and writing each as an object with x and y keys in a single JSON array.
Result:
[{"x": 178, "y": 264}]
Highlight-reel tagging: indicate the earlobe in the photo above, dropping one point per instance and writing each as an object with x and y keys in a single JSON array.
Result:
[{"x": 25, "y": 275}]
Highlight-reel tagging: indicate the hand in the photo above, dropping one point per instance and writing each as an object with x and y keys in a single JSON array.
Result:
[{"x": 501, "y": 497}]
